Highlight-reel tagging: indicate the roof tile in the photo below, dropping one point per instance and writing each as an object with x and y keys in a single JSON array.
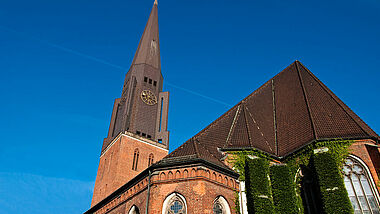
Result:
[{"x": 288, "y": 112}]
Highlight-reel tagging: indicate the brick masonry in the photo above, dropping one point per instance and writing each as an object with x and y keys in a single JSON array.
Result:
[
  {"x": 368, "y": 152},
  {"x": 198, "y": 184},
  {"x": 115, "y": 165}
]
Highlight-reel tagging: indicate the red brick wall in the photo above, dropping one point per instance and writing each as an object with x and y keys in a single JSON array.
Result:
[
  {"x": 199, "y": 185},
  {"x": 115, "y": 165},
  {"x": 360, "y": 150}
]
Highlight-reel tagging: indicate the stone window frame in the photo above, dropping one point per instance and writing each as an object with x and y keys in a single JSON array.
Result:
[
  {"x": 135, "y": 162},
  {"x": 221, "y": 200},
  {"x": 134, "y": 210},
  {"x": 175, "y": 196},
  {"x": 354, "y": 187},
  {"x": 150, "y": 159}
]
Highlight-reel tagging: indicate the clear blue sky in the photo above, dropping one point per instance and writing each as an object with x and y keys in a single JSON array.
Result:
[{"x": 63, "y": 63}]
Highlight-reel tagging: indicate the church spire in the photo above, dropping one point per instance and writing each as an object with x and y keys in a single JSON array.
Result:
[
  {"x": 148, "y": 51},
  {"x": 142, "y": 108}
]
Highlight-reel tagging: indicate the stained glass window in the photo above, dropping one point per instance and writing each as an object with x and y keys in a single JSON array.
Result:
[
  {"x": 217, "y": 209},
  {"x": 220, "y": 206},
  {"x": 360, "y": 191},
  {"x": 176, "y": 205}
]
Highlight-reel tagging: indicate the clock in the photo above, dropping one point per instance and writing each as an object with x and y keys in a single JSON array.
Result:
[{"x": 148, "y": 97}]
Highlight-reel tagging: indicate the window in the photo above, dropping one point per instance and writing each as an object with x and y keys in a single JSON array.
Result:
[
  {"x": 360, "y": 187},
  {"x": 150, "y": 81},
  {"x": 309, "y": 189},
  {"x": 134, "y": 210},
  {"x": 135, "y": 159},
  {"x": 155, "y": 83},
  {"x": 151, "y": 159},
  {"x": 145, "y": 79},
  {"x": 220, "y": 206},
  {"x": 138, "y": 132},
  {"x": 174, "y": 204},
  {"x": 217, "y": 209}
]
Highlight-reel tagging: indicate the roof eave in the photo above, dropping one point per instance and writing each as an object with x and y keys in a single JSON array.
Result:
[{"x": 300, "y": 148}]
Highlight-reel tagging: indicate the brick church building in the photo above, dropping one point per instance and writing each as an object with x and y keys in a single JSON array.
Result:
[{"x": 292, "y": 111}]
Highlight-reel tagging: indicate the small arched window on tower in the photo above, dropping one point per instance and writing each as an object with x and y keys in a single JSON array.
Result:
[
  {"x": 360, "y": 186},
  {"x": 135, "y": 160},
  {"x": 151, "y": 159}
]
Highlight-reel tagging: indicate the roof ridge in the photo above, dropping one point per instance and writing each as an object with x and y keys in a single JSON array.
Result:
[
  {"x": 246, "y": 124},
  {"x": 195, "y": 147},
  {"x": 258, "y": 127},
  {"x": 274, "y": 117},
  {"x": 215, "y": 121},
  {"x": 269, "y": 81},
  {"x": 306, "y": 99},
  {"x": 232, "y": 125},
  {"x": 178, "y": 148},
  {"x": 340, "y": 103},
  {"x": 201, "y": 132},
  {"x": 206, "y": 149}
]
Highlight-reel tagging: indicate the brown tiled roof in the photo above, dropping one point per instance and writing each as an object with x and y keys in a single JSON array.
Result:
[
  {"x": 291, "y": 110},
  {"x": 149, "y": 39}
]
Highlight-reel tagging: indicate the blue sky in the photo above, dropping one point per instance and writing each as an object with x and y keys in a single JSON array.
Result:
[{"x": 63, "y": 63}]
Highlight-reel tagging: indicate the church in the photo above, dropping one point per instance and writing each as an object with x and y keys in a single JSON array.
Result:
[{"x": 291, "y": 146}]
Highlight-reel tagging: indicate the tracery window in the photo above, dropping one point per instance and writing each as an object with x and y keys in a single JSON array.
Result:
[
  {"x": 221, "y": 206},
  {"x": 135, "y": 159},
  {"x": 217, "y": 209},
  {"x": 151, "y": 159},
  {"x": 360, "y": 188},
  {"x": 174, "y": 204}
]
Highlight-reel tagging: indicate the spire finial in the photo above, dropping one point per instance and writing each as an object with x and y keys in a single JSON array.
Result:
[{"x": 155, "y": 2}]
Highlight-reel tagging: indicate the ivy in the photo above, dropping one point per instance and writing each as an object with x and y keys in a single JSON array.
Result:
[
  {"x": 337, "y": 148},
  {"x": 334, "y": 194},
  {"x": 239, "y": 158},
  {"x": 259, "y": 196},
  {"x": 283, "y": 189},
  {"x": 237, "y": 202}
]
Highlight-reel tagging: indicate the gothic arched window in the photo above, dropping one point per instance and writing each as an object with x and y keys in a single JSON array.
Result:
[
  {"x": 221, "y": 206},
  {"x": 174, "y": 204},
  {"x": 151, "y": 159},
  {"x": 360, "y": 187},
  {"x": 135, "y": 159},
  {"x": 134, "y": 210},
  {"x": 217, "y": 209}
]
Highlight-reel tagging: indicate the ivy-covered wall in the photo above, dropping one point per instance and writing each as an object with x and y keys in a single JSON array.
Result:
[
  {"x": 259, "y": 196},
  {"x": 284, "y": 184},
  {"x": 334, "y": 194},
  {"x": 283, "y": 190}
]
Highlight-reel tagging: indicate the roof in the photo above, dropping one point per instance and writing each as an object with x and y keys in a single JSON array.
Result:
[
  {"x": 148, "y": 51},
  {"x": 290, "y": 111}
]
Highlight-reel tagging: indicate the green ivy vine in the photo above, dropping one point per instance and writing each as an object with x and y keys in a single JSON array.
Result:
[{"x": 338, "y": 149}]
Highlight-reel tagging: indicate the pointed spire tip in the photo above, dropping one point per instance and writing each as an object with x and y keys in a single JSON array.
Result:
[{"x": 155, "y": 2}]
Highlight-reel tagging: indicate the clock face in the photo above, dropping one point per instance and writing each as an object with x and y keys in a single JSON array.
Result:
[{"x": 148, "y": 97}]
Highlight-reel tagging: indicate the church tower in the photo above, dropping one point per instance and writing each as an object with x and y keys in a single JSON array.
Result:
[{"x": 137, "y": 135}]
